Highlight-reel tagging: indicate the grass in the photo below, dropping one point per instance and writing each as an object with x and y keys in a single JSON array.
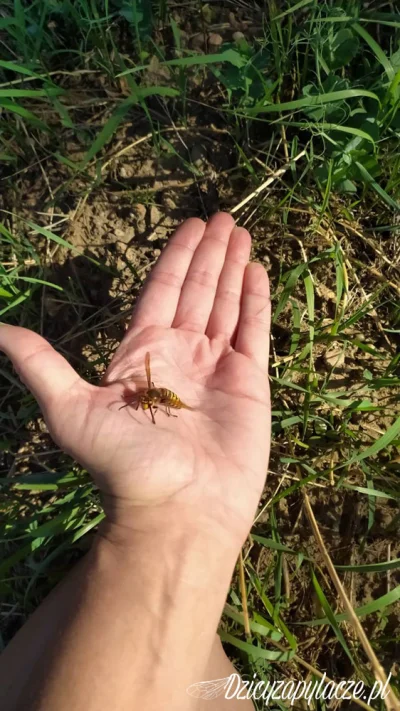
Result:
[{"x": 298, "y": 116}]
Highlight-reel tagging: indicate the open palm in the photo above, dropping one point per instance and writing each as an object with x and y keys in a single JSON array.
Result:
[{"x": 204, "y": 318}]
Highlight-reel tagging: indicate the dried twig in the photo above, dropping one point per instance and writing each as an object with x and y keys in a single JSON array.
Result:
[
  {"x": 319, "y": 674},
  {"x": 391, "y": 701},
  {"x": 268, "y": 182},
  {"x": 243, "y": 593}
]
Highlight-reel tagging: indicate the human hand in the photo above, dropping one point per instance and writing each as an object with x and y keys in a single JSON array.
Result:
[{"x": 204, "y": 317}]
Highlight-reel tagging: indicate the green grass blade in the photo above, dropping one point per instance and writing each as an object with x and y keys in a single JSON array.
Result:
[
  {"x": 31, "y": 93},
  {"x": 70, "y": 518},
  {"x": 273, "y": 612},
  {"x": 330, "y": 615},
  {"x": 309, "y": 287},
  {"x": 87, "y": 527},
  {"x": 346, "y": 129},
  {"x": 318, "y": 100},
  {"x": 109, "y": 129},
  {"x": 382, "y": 18},
  {"x": 34, "y": 280},
  {"x": 288, "y": 288},
  {"x": 20, "y": 69},
  {"x": 372, "y": 182},
  {"x": 19, "y": 300},
  {"x": 371, "y": 492},
  {"x": 371, "y": 567},
  {"x": 294, "y": 8},
  {"x": 262, "y": 626},
  {"x": 295, "y": 340},
  {"x": 255, "y": 652},
  {"x": 273, "y": 545},
  {"x": 47, "y": 481},
  {"x": 57, "y": 239},
  {"x": 324, "y": 126},
  {"x": 24, "y": 113},
  {"x": 145, "y": 91},
  {"x": 5, "y": 294},
  {"x": 378, "y": 605},
  {"x": 382, "y": 443},
  {"x": 229, "y": 55},
  {"x": 377, "y": 50}
]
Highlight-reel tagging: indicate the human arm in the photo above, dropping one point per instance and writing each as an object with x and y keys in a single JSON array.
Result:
[{"x": 180, "y": 496}]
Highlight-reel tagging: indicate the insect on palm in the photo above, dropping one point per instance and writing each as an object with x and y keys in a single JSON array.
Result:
[{"x": 151, "y": 397}]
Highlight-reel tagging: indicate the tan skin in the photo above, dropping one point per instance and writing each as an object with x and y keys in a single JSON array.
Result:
[{"x": 179, "y": 496}]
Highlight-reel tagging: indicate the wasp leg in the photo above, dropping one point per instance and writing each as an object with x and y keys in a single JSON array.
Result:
[
  {"x": 152, "y": 415},
  {"x": 168, "y": 412},
  {"x": 128, "y": 404}
]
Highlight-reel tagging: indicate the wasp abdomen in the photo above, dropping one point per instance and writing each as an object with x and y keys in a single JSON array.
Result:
[{"x": 170, "y": 399}]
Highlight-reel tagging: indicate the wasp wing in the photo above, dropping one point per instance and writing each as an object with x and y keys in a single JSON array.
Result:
[
  {"x": 147, "y": 366},
  {"x": 208, "y": 689}
]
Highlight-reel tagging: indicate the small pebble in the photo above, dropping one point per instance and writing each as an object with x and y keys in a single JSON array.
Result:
[
  {"x": 169, "y": 203},
  {"x": 215, "y": 40},
  {"x": 124, "y": 236},
  {"x": 155, "y": 215},
  {"x": 123, "y": 172},
  {"x": 140, "y": 212},
  {"x": 334, "y": 357}
]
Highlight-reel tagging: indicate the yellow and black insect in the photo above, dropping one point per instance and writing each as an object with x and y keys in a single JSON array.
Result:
[{"x": 151, "y": 397}]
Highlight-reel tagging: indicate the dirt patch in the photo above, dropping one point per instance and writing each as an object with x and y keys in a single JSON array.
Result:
[
  {"x": 118, "y": 215},
  {"x": 124, "y": 225}
]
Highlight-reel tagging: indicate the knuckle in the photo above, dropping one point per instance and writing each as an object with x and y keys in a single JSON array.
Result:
[
  {"x": 215, "y": 239},
  {"x": 167, "y": 279},
  {"x": 202, "y": 277},
  {"x": 189, "y": 325},
  {"x": 228, "y": 295},
  {"x": 182, "y": 247},
  {"x": 259, "y": 321}
]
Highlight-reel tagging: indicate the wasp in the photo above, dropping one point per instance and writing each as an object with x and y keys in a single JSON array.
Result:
[{"x": 151, "y": 397}]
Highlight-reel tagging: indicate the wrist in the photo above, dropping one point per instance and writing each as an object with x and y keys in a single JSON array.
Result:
[
  {"x": 129, "y": 526},
  {"x": 160, "y": 534}
]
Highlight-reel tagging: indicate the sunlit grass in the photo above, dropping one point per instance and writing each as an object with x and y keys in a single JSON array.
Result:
[{"x": 309, "y": 80}]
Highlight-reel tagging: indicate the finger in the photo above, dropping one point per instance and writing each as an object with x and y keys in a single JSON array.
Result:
[
  {"x": 44, "y": 371},
  {"x": 198, "y": 291},
  {"x": 225, "y": 312},
  {"x": 255, "y": 316},
  {"x": 157, "y": 305}
]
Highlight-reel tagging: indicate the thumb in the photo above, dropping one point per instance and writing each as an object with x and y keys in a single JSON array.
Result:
[{"x": 44, "y": 371}]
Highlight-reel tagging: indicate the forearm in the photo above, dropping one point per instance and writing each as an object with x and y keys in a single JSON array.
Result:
[{"x": 137, "y": 625}]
